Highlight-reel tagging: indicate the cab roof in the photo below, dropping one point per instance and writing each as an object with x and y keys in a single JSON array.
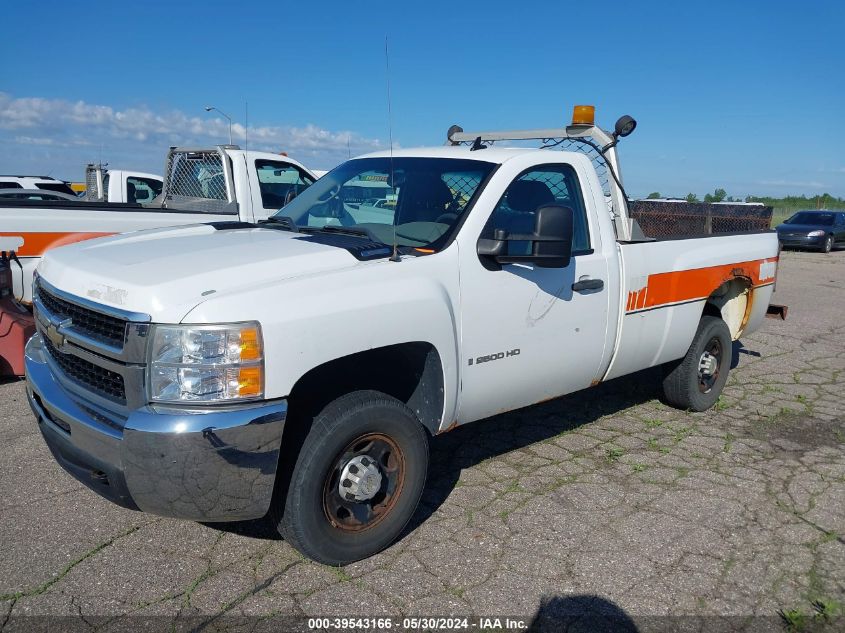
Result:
[{"x": 490, "y": 154}]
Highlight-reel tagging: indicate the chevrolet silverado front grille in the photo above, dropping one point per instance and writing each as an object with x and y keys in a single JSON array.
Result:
[
  {"x": 95, "y": 325},
  {"x": 99, "y": 380}
]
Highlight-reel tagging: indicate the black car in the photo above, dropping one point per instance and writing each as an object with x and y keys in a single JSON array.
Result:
[{"x": 821, "y": 230}]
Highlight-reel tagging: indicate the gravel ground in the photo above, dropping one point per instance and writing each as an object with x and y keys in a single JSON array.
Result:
[{"x": 602, "y": 510}]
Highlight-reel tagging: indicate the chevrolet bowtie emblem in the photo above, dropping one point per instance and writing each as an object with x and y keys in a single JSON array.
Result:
[{"x": 56, "y": 337}]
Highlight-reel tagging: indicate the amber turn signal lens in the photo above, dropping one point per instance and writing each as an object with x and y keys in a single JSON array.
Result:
[
  {"x": 249, "y": 381},
  {"x": 584, "y": 115},
  {"x": 250, "y": 344}
]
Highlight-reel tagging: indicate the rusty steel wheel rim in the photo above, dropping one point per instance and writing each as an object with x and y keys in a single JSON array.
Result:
[
  {"x": 358, "y": 514},
  {"x": 709, "y": 365}
]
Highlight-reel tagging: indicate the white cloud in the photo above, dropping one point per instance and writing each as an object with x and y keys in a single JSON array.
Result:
[
  {"x": 51, "y": 142},
  {"x": 139, "y": 132}
]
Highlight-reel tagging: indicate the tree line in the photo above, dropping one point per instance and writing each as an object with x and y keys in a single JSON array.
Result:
[{"x": 823, "y": 201}]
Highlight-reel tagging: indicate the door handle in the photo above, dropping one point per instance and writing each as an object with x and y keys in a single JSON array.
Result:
[{"x": 588, "y": 284}]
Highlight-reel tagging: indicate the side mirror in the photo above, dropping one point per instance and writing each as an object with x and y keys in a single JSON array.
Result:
[{"x": 551, "y": 241}]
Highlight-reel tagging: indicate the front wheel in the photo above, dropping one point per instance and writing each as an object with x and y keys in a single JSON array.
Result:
[
  {"x": 828, "y": 244},
  {"x": 357, "y": 480},
  {"x": 696, "y": 381}
]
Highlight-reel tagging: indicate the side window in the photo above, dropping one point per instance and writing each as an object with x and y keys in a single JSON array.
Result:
[
  {"x": 5, "y": 184},
  {"x": 142, "y": 190},
  {"x": 536, "y": 187},
  {"x": 840, "y": 219},
  {"x": 280, "y": 183}
]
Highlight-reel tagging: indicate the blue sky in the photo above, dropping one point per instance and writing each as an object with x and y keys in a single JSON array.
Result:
[{"x": 748, "y": 96}]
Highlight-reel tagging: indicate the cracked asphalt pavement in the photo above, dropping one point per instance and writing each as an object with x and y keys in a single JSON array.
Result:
[{"x": 605, "y": 504}]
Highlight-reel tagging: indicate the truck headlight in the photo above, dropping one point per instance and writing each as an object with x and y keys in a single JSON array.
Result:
[
  {"x": 815, "y": 233},
  {"x": 206, "y": 363}
]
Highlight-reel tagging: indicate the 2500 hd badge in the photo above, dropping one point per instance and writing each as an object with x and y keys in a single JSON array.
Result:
[{"x": 489, "y": 357}]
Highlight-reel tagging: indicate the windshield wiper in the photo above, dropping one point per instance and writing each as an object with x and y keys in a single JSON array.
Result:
[
  {"x": 287, "y": 223},
  {"x": 348, "y": 230},
  {"x": 283, "y": 221}
]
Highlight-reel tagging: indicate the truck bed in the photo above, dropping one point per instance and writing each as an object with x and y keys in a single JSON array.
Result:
[
  {"x": 678, "y": 219},
  {"x": 86, "y": 205},
  {"x": 48, "y": 224},
  {"x": 666, "y": 284}
]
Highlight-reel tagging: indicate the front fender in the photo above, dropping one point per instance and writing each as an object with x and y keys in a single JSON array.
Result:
[{"x": 311, "y": 320}]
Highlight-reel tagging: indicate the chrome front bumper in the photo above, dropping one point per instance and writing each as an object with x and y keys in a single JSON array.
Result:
[{"x": 201, "y": 464}]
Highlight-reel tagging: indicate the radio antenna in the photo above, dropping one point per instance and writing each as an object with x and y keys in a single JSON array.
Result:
[
  {"x": 246, "y": 145},
  {"x": 395, "y": 256}
]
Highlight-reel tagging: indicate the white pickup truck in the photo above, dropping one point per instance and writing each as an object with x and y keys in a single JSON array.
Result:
[
  {"x": 120, "y": 185},
  {"x": 221, "y": 372},
  {"x": 200, "y": 185},
  {"x": 33, "y": 183}
]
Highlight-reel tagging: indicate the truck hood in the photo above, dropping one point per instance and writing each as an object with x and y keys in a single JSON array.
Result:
[{"x": 167, "y": 272}]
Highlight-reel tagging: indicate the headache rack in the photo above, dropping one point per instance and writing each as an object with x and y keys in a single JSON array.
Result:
[
  {"x": 200, "y": 179},
  {"x": 582, "y": 136},
  {"x": 95, "y": 182},
  {"x": 633, "y": 220}
]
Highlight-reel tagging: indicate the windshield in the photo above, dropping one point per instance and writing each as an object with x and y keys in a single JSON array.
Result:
[
  {"x": 811, "y": 217},
  {"x": 423, "y": 197},
  {"x": 55, "y": 186}
]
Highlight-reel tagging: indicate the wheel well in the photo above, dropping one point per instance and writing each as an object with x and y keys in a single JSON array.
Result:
[
  {"x": 410, "y": 372},
  {"x": 732, "y": 303}
]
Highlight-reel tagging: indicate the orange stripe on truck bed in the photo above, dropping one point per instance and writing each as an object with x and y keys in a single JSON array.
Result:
[
  {"x": 36, "y": 243},
  {"x": 664, "y": 289}
]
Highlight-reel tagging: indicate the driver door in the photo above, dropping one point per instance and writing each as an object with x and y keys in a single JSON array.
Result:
[{"x": 530, "y": 333}]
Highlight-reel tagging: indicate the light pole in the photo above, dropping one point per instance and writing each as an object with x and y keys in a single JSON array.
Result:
[{"x": 210, "y": 108}]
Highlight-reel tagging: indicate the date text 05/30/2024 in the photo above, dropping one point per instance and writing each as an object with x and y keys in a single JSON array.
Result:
[{"x": 376, "y": 625}]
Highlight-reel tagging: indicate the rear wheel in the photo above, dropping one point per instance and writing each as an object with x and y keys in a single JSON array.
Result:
[
  {"x": 357, "y": 480},
  {"x": 696, "y": 381}
]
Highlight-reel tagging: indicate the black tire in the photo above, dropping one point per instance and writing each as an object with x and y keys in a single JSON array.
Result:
[
  {"x": 686, "y": 385},
  {"x": 828, "y": 244},
  {"x": 321, "y": 524}
]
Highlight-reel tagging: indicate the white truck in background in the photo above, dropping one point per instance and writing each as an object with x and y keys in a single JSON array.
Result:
[
  {"x": 200, "y": 185},
  {"x": 298, "y": 367},
  {"x": 120, "y": 185}
]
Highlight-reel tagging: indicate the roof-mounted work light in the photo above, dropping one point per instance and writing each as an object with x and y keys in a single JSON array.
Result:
[{"x": 624, "y": 126}]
